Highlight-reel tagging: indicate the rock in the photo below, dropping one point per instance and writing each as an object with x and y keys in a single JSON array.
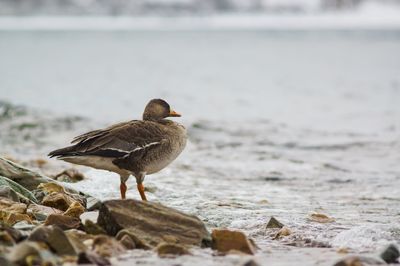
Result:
[
  {"x": 16, "y": 235},
  {"x": 284, "y": 231},
  {"x": 127, "y": 242},
  {"x": 250, "y": 262},
  {"x": 342, "y": 250},
  {"x": 69, "y": 175},
  {"x": 57, "y": 197},
  {"x": 15, "y": 191},
  {"x": 12, "y": 212},
  {"x": 89, "y": 257},
  {"x": 62, "y": 221},
  {"x": 74, "y": 210},
  {"x": 6, "y": 239},
  {"x": 166, "y": 250},
  {"x": 41, "y": 212},
  {"x": 55, "y": 238},
  {"x": 390, "y": 254},
  {"x": 320, "y": 218},
  {"x": 5, "y": 262},
  {"x": 21, "y": 175},
  {"x": 7, "y": 192},
  {"x": 12, "y": 218},
  {"x": 51, "y": 187},
  {"x": 274, "y": 223},
  {"x": 107, "y": 246},
  {"x": 139, "y": 243},
  {"x": 359, "y": 261},
  {"x": 30, "y": 180},
  {"x": 24, "y": 226},
  {"x": 78, "y": 239},
  {"x": 93, "y": 228},
  {"x": 151, "y": 223},
  {"x": 39, "y": 162},
  {"x": 58, "y": 200},
  {"x": 32, "y": 253},
  {"x": 225, "y": 240},
  {"x": 12, "y": 206}
]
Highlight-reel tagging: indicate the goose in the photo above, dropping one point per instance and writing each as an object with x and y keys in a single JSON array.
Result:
[{"x": 137, "y": 147}]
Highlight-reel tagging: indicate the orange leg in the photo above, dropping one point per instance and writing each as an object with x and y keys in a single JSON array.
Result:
[
  {"x": 122, "y": 188},
  {"x": 140, "y": 187}
]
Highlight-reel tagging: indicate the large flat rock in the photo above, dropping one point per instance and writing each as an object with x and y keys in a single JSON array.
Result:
[{"x": 152, "y": 223}]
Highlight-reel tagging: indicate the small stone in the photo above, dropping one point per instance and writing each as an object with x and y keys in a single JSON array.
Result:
[
  {"x": 11, "y": 218},
  {"x": 12, "y": 206},
  {"x": 12, "y": 212},
  {"x": 5, "y": 262},
  {"x": 94, "y": 229},
  {"x": 15, "y": 234},
  {"x": 284, "y": 231},
  {"x": 58, "y": 200},
  {"x": 55, "y": 238},
  {"x": 40, "y": 162},
  {"x": 107, "y": 246},
  {"x": 342, "y": 250},
  {"x": 127, "y": 242},
  {"x": 14, "y": 191},
  {"x": 62, "y": 221},
  {"x": 170, "y": 239},
  {"x": 390, "y": 254},
  {"x": 74, "y": 210},
  {"x": 90, "y": 257},
  {"x": 250, "y": 262},
  {"x": 24, "y": 226},
  {"x": 79, "y": 239},
  {"x": 138, "y": 242},
  {"x": 41, "y": 212},
  {"x": 320, "y": 218},
  {"x": 6, "y": 239},
  {"x": 31, "y": 253},
  {"x": 166, "y": 249},
  {"x": 225, "y": 240},
  {"x": 51, "y": 187},
  {"x": 274, "y": 223},
  {"x": 7, "y": 192},
  {"x": 69, "y": 175},
  {"x": 359, "y": 261}
]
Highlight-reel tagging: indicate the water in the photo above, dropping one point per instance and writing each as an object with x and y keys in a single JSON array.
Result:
[{"x": 281, "y": 123}]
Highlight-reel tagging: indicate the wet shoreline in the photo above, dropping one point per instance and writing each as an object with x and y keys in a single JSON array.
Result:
[{"x": 262, "y": 175}]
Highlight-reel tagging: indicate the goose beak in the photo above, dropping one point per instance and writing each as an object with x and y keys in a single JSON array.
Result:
[{"x": 172, "y": 113}]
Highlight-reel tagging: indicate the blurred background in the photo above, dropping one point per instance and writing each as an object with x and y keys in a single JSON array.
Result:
[
  {"x": 181, "y": 7},
  {"x": 295, "y": 102}
]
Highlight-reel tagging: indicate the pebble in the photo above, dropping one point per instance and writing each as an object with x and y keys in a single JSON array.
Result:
[
  {"x": 167, "y": 249},
  {"x": 225, "y": 240},
  {"x": 274, "y": 223}
]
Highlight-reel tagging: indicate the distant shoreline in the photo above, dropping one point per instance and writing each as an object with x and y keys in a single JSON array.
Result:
[{"x": 325, "y": 21}]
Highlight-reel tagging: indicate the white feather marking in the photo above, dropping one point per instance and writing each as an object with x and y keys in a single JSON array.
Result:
[
  {"x": 114, "y": 149},
  {"x": 142, "y": 147}
]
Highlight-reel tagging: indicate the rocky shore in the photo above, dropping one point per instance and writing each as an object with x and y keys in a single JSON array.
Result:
[{"x": 44, "y": 222}]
